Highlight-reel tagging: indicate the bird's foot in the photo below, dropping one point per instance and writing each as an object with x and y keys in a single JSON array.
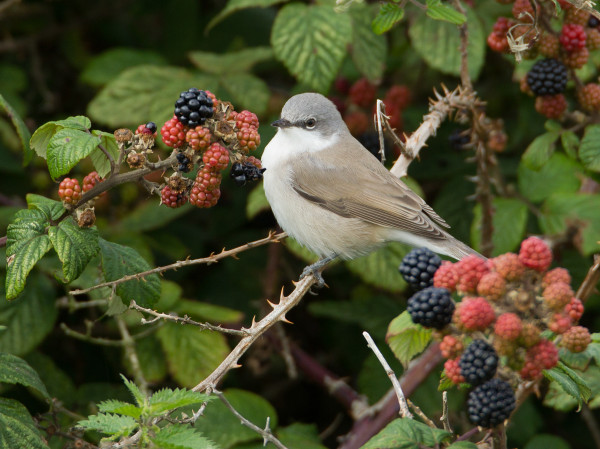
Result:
[{"x": 315, "y": 270}]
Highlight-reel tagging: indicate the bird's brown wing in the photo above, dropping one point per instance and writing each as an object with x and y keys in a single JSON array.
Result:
[{"x": 366, "y": 191}]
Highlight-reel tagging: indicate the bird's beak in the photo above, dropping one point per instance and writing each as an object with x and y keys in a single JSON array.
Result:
[{"x": 281, "y": 123}]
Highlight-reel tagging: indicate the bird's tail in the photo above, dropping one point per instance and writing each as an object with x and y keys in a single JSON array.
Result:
[{"x": 456, "y": 249}]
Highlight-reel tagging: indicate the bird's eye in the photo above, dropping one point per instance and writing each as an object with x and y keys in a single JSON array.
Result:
[{"x": 310, "y": 123}]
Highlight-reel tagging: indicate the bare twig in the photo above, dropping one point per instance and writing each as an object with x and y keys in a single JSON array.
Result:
[
  {"x": 184, "y": 320},
  {"x": 591, "y": 280},
  {"x": 445, "y": 419},
  {"x": 265, "y": 433},
  {"x": 485, "y": 198},
  {"x": 131, "y": 354},
  {"x": 465, "y": 79},
  {"x": 404, "y": 412},
  {"x": 415, "y": 408},
  {"x": 68, "y": 302},
  {"x": 88, "y": 338},
  {"x": 213, "y": 258}
]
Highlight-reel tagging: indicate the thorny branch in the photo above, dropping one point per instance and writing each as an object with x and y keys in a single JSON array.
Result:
[{"x": 213, "y": 258}]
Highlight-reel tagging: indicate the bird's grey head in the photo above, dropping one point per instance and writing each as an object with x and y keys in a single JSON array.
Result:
[{"x": 312, "y": 112}]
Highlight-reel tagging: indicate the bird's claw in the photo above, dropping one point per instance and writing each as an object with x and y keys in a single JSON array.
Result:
[{"x": 316, "y": 273}]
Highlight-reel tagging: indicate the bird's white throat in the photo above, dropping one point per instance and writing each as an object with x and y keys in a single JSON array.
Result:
[{"x": 290, "y": 142}]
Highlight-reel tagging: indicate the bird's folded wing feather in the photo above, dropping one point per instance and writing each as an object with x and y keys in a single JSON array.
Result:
[{"x": 371, "y": 194}]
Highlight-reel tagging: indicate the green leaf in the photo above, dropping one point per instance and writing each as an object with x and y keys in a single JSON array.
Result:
[
  {"x": 119, "y": 261},
  {"x": 168, "y": 399},
  {"x": 26, "y": 244},
  {"x": 109, "y": 64},
  {"x": 438, "y": 11},
  {"x": 407, "y": 433},
  {"x": 28, "y": 319},
  {"x": 546, "y": 441},
  {"x": 438, "y": 43},
  {"x": 389, "y": 14},
  {"x": 584, "y": 389},
  {"x": 463, "y": 445},
  {"x": 41, "y": 138},
  {"x": 221, "y": 426},
  {"x": 75, "y": 246},
  {"x": 22, "y": 131},
  {"x": 109, "y": 424},
  {"x": 407, "y": 339},
  {"x": 369, "y": 50},
  {"x": 563, "y": 209},
  {"x": 66, "y": 148},
  {"x": 99, "y": 159},
  {"x": 237, "y": 5},
  {"x": 246, "y": 91},
  {"x": 151, "y": 356},
  {"x": 380, "y": 268},
  {"x": 140, "y": 398},
  {"x": 17, "y": 428},
  {"x": 230, "y": 62},
  {"x": 557, "y": 398},
  {"x": 311, "y": 42},
  {"x": 257, "y": 202},
  {"x": 509, "y": 222},
  {"x": 299, "y": 435},
  {"x": 144, "y": 93},
  {"x": 120, "y": 407},
  {"x": 589, "y": 150},
  {"x": 57, "y": 382},
  {"x": 15, "y": 370},
  {"x": 192, "y": 354},
  {"x": 179, "y": 436},
  {"x": 565, "y": 382},
  {"x": 540, "y": 150},
  {"x": 208, "y": 312},
  {"x": 80, "y": 122},
  {"x": 565, "y": 174},
  {"x": 570, "y": 143}
]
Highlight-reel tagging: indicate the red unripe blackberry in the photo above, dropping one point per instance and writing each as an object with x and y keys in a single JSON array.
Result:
[
  {"x": 201, "y": 198},
  {"x": 339, "y": 104},
  {"x": 193, "y": 107},
  {"x": 398, "y": 97},
  {"x": 556, "y": 275},
  {"x": 474, "y": 314},
  {"x": 446, "y": 276},
  {"x": 544, "y": 354},
  {"x": 576, "y": 16},
  {"x": 492, "y": 286},
  {"x": 508, "y": 326},
  {"x": 147, "y": 128},
  {"x": 254, "y": 161},
  {"x": 90, "y": 181},
  {"x": 452, "y": 370},
  {"x": 217, "y": 156},
  {"x": 491, "y": 404},
  {"x": 560, "y": 323},
  {"x": 576, "y": 339},
  {"x": 498, "y": 42},
  {"x": 362, "y": 93},
  {"x": 574, "y": 309},
  {"x": 530, "y": 370},
  {"x": 478, "y": 362},
  {"x": 551, "y": 106},
  {"x": 557, "y": 295},
  {"x": 431, "y": 307},
  {"x": 172, "y": 199},
  {"x": 173, "y": 133},
  {"x": 572, "y": 37},
  {"x": 451, "y": 347},
  {"x": 208, "y": 179},
  {"x": 564, "y": 5},
  {"x": 246, "y": 118},
  {"x": 69, "y": 191},
  {"x": 530, "y": 335},
  {"x": 470, "y": 270},
  {"x": 535, "y": 253},
  {"x": 593, "y": 39},
  {"x": 589, "y": 97},
  {"x": 522, "y": 6},
  {"x": 342, "y": 85},
  {"x": 418, "y": 267},
  {"x": 248, "y": 138},
  {"x": 576, "y": 59},
  {"x": 198, "y": 138},
  {"x": 357, "y": 122},
  {"x": 549, "y": 45},
  {"x": 508, "y": 266},
  {"x": 547, "y": 77}
]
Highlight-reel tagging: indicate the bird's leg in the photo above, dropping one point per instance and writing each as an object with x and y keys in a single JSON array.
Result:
[{"x": 316, "y": 268}]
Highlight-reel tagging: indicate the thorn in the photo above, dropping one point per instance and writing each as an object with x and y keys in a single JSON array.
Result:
[
  {"x": 272, "y": 304},
  {"x": 294, "y": 283},
  {"x": 285, "y": 320},
  {"x": 237, "y": 365},
  {"x": 281, "y": 295}
]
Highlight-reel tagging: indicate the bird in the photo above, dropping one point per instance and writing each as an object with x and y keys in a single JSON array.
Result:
[{"x": 335, "y": 198}]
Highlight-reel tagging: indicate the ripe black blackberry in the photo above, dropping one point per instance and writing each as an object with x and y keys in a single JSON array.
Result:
[
  {"x": 193, "y": 107},
  {"x": 491, "y": 403},
  {"x": 479, "y": 362},
  {"x": 431, "y": 307},
  {"x": 185, "y": 164},
  {"x": 593, "y": 22},
  {"x": 547, "y": 77},
  {"x": 418, "y": 267},
  {"x": 151, "y": 126},
  {"x": 241, "y": 173}
]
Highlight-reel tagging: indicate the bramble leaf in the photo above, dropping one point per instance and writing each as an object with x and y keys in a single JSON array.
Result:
[
  {"x": 181, "y": 437},
  {"x": 22, "y": 131},
  {"x": 116, "y": 425},
  {"x": 407, "y": 434},
  {"x": 67, "y": 147},
  {"x": 15, "y": 370},
  {"x": 17, "y": 428},
  {"x": 389, "y": 14},
  {"x": 368, "y": 50},
  {"x": 407, "y": 339}
]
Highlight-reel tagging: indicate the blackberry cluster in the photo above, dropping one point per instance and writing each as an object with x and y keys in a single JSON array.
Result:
[
  {"x": 431, "y": 307},
  {"x": 418, "y": 267},
  {"x": 185, "y": 164},
  {"x": 193, "y": 107},
  {"x": 244, "y": 172},
  {"x": 491, "y": 403},
  {"x": 547, "y": 77},
  {"x": 479, "y": 362}
]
